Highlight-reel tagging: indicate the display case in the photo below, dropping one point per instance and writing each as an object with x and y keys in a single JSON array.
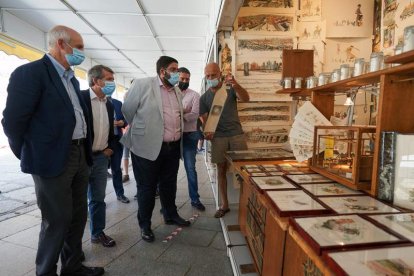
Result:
[{"x": 345, "y": 154}]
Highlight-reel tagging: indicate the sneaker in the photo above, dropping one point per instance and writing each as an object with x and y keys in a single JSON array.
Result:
[
  {"x": 125, "y": 178},
  {"x": 199, "y": 206},
  {"x": 123, "y": 199}
]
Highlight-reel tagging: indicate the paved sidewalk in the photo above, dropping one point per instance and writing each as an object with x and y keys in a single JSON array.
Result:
[{"x": 196, "y": 250}]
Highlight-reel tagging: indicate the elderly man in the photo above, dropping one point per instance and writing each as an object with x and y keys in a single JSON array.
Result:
[
  {"x": 229, "y": 134},
  {"x": 154, "y": 113},
  {"x": 46, "y": 121}
]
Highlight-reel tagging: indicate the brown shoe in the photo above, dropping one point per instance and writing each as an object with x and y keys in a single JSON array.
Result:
[
  {"x": 103, "y": 239},
  {"x": 125, "y": 178}
]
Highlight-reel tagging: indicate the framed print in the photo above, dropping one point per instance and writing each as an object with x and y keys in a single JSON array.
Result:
[
  {"x": 271, "y": 167},
  {"x": 275, "y": 173},
  {"x": 308, "y": 178},
  {"x": 402, "y": 224},
  {"x": 310, "y": 10},
  {"x": 295, "y": 203},
  {"x": 337, "y": 232},
  {"x": 370, "y": 262},
  {"x": 329, "y": 189},
  {"x": 253, "y": 170},
  {"x": 272, "y": 183},
  {"x": 258, "y": 155},
  {"x": 357, "y": 204}
]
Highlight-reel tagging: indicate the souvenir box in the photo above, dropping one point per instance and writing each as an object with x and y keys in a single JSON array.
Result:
[
  {"x": 344, "y": 154},
  {"x": 295, "y": 203},
  {"x": 339, "y": 232},
  {"x": 372, "y": 262}
]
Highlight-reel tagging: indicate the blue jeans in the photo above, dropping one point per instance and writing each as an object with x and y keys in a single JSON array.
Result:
[
  {"x": 116, "y": 159},
  {"x": 96, "y": 193},
  {"x": 190, "y": 140}
]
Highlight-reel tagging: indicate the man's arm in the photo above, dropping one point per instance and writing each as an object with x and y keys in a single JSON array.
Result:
[
  {"x": 193, "y": 114},
  {"x": 131, "y": 103}
]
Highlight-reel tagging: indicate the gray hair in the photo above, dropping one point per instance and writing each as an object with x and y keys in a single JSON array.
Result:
[
  {"x": 56, "y": 33},
  {"x": 97, "y": 72}
]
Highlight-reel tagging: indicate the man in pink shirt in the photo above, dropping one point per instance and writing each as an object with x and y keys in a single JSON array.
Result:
[
  {"x": 191, "y": 135},
  {"x": 154, "y": 113}
]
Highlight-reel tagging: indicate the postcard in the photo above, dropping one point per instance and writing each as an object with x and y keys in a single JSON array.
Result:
[
  {"x": 357, "y": 204},
  {"x": 309, "y": 178},
  {"x": 295, "y": 200},
  {"x": 382, "y": 261},
  {"x": 402, "y": 224},
  {"x": 329, "y": 189},
  {"x": 343, "y": 231},
  {"x": 272, "y": 183}
]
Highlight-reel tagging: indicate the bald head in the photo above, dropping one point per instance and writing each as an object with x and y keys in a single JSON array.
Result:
[{"x": 212, "y": 71}]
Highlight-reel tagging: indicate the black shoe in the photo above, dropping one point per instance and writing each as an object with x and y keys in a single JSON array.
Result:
[
  {"x": 123, "y": 199},
  {"x": 103, "y": 239},
  {"x": 85, "y": 271},
  {"x": 178, "y": 221},
  {"x": 147, "y": 235},
  {"x": 199, "y": 206}
]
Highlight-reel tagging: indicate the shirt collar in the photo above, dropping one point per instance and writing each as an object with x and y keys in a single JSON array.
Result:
[
  {"x": 69, "y": 74},
  {"x": 169, "y": 89},
  {"x": 94, "y": 97}
]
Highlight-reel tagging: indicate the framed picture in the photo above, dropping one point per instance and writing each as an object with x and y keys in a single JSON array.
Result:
[
  {"x": 402, "y": 224},
  {"x": 259, "y": 155},
  {"x": 272, "y": 183},
  {"x": 329, "y": 189},
  {"x": 260, "y": 174},
  {"x": 275, "y": 173},
  {"x": 357, "y": 204},
  {"x": 309, "y": 178},
  {"x": 295, "y": 203},
  {"x": 342, "y": 231},
  {"x": 382, "y": 261}
]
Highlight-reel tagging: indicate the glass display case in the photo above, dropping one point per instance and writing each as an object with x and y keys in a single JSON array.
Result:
[{"x": 345, "y": 154}]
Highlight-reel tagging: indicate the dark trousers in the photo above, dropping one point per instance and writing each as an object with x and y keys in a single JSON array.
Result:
[
  {"x": 63, "y": 204},
  {"x": 116, "y": 159},
  {"x": 148, "y": 174}
]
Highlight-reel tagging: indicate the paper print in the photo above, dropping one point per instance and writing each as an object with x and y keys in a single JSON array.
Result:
[
  {"x": 357, "y": 204},
  {"x": 310, "y": 10}
]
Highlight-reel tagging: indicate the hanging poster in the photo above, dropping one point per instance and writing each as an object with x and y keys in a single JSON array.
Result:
[
  {"x": 264, "y": 21},
  {"x": 279, "y": 6},
  {"x": 351, "y": 18},
  {"x": 311, "y": 31},
  {"x": 310, "y": 10}
]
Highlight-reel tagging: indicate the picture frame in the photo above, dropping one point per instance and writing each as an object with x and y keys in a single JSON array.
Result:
[
  {"x": 342, "y": 232},
  {"x": 289, "y": 203},
  {"x": 272, "y": 183},
  {"x": 357, "y": 204},
  {"x": 273, "y": 154},
  {"x": 329, "y": 189},
  {"x": 396, "y": 260},
  {"x": 308, "y": 178},
  {"x": 402, "y": 224}
]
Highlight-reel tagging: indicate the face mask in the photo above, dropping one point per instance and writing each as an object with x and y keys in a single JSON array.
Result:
[
  {"x": 76, "y": 58},
  {"x": 172, "y": 78},
  {"x": 212, "y": 83},
  {"x": 183, "y": 85},
  {"x": 109, "y": 88}
]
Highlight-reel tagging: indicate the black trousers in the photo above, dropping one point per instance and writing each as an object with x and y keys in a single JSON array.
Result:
[
  {"x": 148, "y": 174},
  {"x": 62, "y": 201}
]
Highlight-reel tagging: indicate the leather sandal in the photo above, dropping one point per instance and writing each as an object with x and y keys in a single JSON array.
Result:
[{"x": 221, "y": 212}]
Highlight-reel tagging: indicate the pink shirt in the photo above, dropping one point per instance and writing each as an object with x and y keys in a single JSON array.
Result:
[
  {"x": 171, "y": 113},
  {"x": 191, "y": 108}
]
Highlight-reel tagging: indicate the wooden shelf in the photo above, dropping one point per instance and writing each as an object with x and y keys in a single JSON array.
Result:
[
  {"x": 403, "y": 58},
  {"x": 365, "y": 79},
  {"x": 288, "y": 91}
]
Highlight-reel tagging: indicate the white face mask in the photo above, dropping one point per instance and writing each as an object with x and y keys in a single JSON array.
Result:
[{"x": 212, "y": 83}]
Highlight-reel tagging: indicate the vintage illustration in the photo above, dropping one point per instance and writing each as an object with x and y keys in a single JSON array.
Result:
[
  {"x": 343, "y": 230},
  {"x": 226, "y": 60},
  {"x": 254, "y": 65},
  {"x": 266, "y": 45},
  {"x": 311, "y": 31},
  {"x": 357, "y": 204},
  {"x": 402, "y": 224},
  {"x": 266, "y": 136},
  {"x": 273, "y": 183},
  {"x": 383, "y": 261},
  {"x": 318, "y": 48},
  {"x": 329, "y": 189},
  {"x": 267, "y": 23},
  {"x": 340, "y": 51},
  {"x": 349, "y": 19},
  {"x": 310, "y": 10},
  {"x": 308, "y": 178},
  {"x": 269, "y": 3},
  {"x": 259, "y": 154},
  {"x": 261, "y": 88},
  {"x": 256, "y": 115},
  {"x": 294, "y": 200}
]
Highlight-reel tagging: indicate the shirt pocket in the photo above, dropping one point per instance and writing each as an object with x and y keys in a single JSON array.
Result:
[{"x": 138, "y": 129}]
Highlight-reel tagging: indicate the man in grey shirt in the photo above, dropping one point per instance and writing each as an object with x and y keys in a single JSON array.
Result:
[{"x": 229, "y": 134}]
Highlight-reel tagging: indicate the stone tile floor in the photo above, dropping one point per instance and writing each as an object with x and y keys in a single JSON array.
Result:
[{"x": 196, "y": 250}]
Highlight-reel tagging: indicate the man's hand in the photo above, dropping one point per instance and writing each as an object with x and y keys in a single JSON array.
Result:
[
  {"x": 119, "y": 123},
  {"x": 107, "y": 152},
  {"x": 208, "y": 135}
]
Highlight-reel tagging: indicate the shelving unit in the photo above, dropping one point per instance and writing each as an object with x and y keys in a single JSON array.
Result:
[{"x": 396, "y": 100}]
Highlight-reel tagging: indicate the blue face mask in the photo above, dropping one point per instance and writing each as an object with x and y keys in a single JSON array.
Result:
[
  {"x": 76, "y": 58},
  {"x": 212, "y": 83},
  {"x": 109, "y": 88},
  {"x": 173, "y": 79}
]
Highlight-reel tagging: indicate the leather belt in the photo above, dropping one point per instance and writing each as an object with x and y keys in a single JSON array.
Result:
[
  {"x": 171, "y": 144},
  {"x": 78, "y": 142}
]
